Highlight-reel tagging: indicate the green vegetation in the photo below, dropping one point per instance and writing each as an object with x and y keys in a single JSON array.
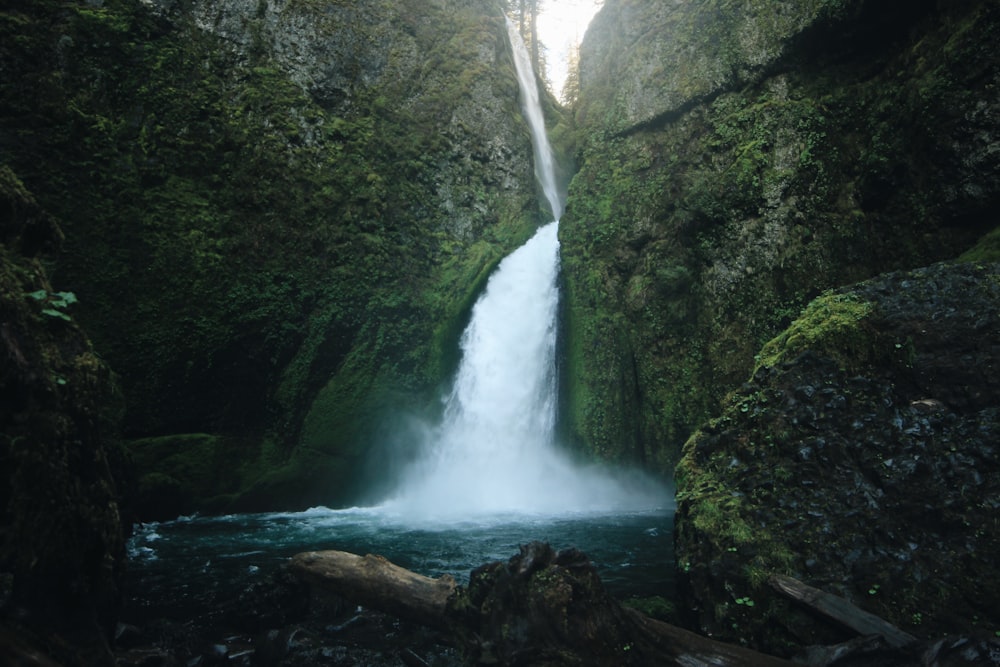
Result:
[
  {"x": 63, "y": 472},
  {"x": 183, "y": 473},
  {"x": 830, "y": 437},
  {"x": 273, "y": 253},
  {"x": 731, "y": 182},
  {"x": 987, "y": 250},
  {"x": 56, "y": 302},
  {"x": 654, "y": 606},
  {"x": 832, "y": 326},
  {"x": 717, "y": 511}
]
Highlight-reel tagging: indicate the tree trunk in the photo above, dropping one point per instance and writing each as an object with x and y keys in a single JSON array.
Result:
[
  {"x": 375, "y": 582},
  {"x": 536, "y": 63}
]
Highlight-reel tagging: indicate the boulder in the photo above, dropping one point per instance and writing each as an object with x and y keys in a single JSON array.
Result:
[{"x": 862, "y": 459}]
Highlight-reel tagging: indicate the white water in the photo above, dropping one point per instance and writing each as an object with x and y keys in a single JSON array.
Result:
[
  {"x": 531, "y": 108},
  {"x": 495, "y": 452}
]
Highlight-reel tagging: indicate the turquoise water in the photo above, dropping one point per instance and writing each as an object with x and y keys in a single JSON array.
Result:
[{"x": 184, "y": 569}]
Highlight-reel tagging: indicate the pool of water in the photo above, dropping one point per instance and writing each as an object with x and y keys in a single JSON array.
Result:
[{"x": 182, "y": 569}]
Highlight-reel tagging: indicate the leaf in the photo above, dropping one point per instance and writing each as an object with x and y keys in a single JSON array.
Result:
[
  {"x": 67, "y": 297},
  {"x": 40, "y": 295},
  {"x": 55, "y": 313}
]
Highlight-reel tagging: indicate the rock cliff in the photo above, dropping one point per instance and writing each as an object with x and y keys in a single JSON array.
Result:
[
  {"x": 62, "y": 549},
  {"x": 276, "y": 216},
  {"x": 736, "y": 159}
]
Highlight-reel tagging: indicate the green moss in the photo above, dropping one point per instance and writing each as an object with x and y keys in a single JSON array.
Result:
[
  {"x": 832, "y": 325},
  {"x": 64, "y": 477},
  {"x": 987, "y": 250},
  {"x": 184, "y": 473},
  {"x": 715, "y": 509},
  {"x": 654, "y": 606},
  {"x": 703, "y": 228}
]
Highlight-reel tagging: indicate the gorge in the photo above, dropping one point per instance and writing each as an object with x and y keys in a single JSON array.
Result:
[{"x": 242, "y": 241}]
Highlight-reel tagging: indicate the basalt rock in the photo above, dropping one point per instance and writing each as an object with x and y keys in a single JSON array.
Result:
[{"x": 861, "y": 458}]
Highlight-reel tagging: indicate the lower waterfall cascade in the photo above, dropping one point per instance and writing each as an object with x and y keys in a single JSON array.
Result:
[{"x": 495, "y": 449}]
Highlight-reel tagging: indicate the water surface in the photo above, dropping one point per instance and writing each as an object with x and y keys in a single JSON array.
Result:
[{"x": 186, "y": 569}]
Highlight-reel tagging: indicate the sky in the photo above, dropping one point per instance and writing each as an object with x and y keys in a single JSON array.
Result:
[{"x": 561, "y": 24}]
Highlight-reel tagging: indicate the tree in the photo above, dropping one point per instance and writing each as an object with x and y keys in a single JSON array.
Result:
[
  {"x": 533, "y": 43},
  {"x": 527, "y": 26},
  {"x": 571, "y": 87}
]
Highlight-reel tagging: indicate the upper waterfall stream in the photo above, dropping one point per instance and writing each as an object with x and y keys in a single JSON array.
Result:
[
  {"x": 531, "y": 108},
  {"x": 494, "y": 451}
]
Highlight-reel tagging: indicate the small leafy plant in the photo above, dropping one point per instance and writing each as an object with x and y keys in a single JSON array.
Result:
[{"x": 55, "y": 302}]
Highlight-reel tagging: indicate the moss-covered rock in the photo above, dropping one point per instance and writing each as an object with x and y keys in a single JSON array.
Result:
[
  {"x": 839, "y": 140},
  {"x": 546, "y": 604},
  {"x": 185, "y": 473},
  {"x": 61, "y": 541},
  {"x": 862, "y": 459},
  {"x": 987, "y": 250}
]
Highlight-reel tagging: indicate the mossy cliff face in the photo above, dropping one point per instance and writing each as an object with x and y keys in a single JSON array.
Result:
[
  {"x": 736, "y": 159},
  {"x": 276, "y": 216},
  {"x": 862, "y": 458},
  {"x": 61, "y": 542},
  {"x": 663, "y": 56}
]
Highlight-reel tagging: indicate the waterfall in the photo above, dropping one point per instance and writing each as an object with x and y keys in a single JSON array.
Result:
[
  {"x": 494, "y": 451},
  {"x": 531, "y": 108}
]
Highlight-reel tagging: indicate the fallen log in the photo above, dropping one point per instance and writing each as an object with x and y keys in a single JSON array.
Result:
[
  {"x": 374, "y": 582},
  {"x": 880, "y": 642},
  {"x": 841, "y": 611},
  {"x": 540, "y": 608}
]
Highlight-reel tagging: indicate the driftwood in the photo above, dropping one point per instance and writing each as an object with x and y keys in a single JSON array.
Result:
[
  {"x": 540, "y": 608},
  {"x": 841, "y": 611},
  {"x": 677, "y": 646},
  {"x": 882, "y": 643},
  {"x": 375, "y": 582}
]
